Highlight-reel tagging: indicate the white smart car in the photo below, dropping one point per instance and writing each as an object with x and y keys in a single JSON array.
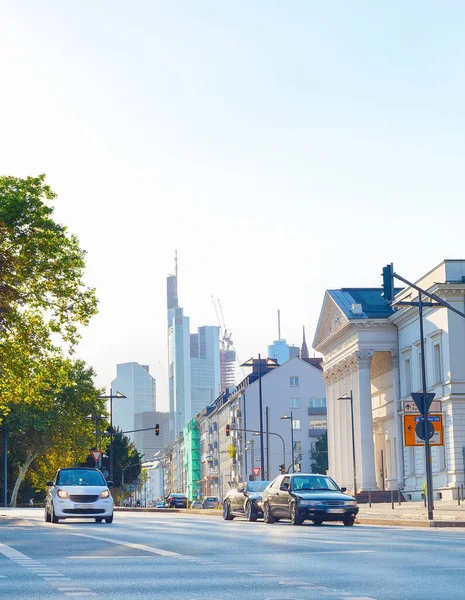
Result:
[{"x": 81, "y": 493}]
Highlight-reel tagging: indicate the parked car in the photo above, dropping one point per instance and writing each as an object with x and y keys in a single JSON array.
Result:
[
  {"x": 301, "y": 496},
  {"x": 176, "y": 501},
  {"x": 79, "y": 492},
  {"x": 159, "y": 504},
  {"x": 196, "y": 504},
  {"x": 245, "y": 501},
  {"x": 211, "y": 502}
]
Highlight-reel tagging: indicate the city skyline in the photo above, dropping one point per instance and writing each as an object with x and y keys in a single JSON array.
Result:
[{"x": 282, "y": 151}]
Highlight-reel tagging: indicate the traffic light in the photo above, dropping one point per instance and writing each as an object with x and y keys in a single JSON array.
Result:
[
  {"x": 228, "y": 430},
  {"x": 251, "y": 478},
  {"x": 157, "y": 429},
  {"x": 388, "y": 283},
  {"x": 282, "y": 469}
]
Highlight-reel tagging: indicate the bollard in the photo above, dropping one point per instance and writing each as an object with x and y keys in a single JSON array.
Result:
[
  {"x": 424, "y": 499},
  {"x": 392, "y": 499},
  {"x": 458, "y": 495},
  {"x": 369, "y": 498},
  {"x": 399, "y": 497},
  {"x": 462, "y": 491}
]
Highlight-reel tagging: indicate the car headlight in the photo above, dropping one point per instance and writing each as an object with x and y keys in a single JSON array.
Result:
[
  {"x": 351, "y": 503},
  {"x": 62, "y": 494},
  {"x": 105, "y": 494},
  {"x": 310, "y": 503}
]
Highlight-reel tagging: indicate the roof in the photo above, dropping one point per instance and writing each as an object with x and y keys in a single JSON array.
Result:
[{"x": 373, "y": 304}]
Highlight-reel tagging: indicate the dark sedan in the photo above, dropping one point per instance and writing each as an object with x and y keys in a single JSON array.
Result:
[
  {"x": 301, "y": 497},
  {"x": 176, "y": 501},
  {"x": 245, "y": 501}
]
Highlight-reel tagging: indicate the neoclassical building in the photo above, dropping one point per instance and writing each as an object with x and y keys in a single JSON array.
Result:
[{"x": 373, "y": 351}]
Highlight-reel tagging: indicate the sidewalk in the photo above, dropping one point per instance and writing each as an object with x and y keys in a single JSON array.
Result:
[{"x": 446, "y": 513}]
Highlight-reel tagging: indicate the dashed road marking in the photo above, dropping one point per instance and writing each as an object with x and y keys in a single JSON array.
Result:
[
  {"x": 58, "y": 580},
  {"x": 150, "y": 549}
]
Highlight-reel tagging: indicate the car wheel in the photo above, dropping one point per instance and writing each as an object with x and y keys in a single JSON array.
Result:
[
  {"x": 250, "y": 513},
  {"x": 227, "y": 516},
  {"x": 318, "y": 521},
  {"x": 267, "y": 516},
  {"x": 54, "y": 517},
  {"x": 48, "y": 517},
  {"x": 109, "y": 519},
  {"x": 348, "y": 522},
  {"x": 296, "y": 518},
  {"x": 98, "y": 519}
]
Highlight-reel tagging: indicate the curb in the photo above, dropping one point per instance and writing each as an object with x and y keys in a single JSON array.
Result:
[{"x": 408, "y": 523}]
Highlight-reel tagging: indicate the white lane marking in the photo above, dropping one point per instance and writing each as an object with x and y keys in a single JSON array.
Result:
[
  {"x": 151, "y": 549},
  {"x": 11, "y": 552},
  {"x": 105, "y": 558}
]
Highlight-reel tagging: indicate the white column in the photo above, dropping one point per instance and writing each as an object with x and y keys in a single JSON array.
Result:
[
  {"x": 399, "y": 449},
  {"x": 337, "y": 429},
  {"x": 348, "y": 471},
  {"x": 365, "y": 422}
]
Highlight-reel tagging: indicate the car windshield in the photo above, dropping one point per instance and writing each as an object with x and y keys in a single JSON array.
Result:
[
  {"x": 257, "y": 486},
  {"x": 80, "y": 477},
  {"x": 317, "y": 482},
  {"x": 178, "y": 496}
]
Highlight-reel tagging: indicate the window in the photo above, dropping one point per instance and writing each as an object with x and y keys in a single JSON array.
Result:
[
  {"x": 294, "y": 403},
  {"x": 293, "y": 381},
  {"x": 295, "y": 423},
  {"x": 317, "y": 403},
  {"x": 408, "y": 377},
  {"x": 437, "y": 363}
]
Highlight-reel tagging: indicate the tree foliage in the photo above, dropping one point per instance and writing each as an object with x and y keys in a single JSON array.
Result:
[
  {"x": 53, "y": 431},
  {"x": 320, "y": 455},
  {"x": 43, "y": 298}
]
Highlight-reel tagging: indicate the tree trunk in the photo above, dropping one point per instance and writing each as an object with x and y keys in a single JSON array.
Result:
[{"x": 30, "y": 458}]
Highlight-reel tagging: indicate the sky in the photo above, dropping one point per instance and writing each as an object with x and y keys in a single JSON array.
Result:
[{"x": 282, "y": 148}]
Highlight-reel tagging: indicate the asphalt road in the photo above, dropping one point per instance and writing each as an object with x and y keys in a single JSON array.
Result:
[{"x": 200, "y": 557}]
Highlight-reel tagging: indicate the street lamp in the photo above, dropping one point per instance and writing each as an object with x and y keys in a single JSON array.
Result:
[
  {"x": 351, "y": 398},
  {"x": 110, "y": 397},
  {"x": 286, "y": 416}
]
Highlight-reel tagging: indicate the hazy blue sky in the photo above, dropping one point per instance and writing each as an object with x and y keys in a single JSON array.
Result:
[{"x": 282, "y": 148}]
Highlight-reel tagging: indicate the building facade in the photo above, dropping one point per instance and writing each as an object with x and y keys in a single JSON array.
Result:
[
  {"x": 135, "y": 382},
  {"x": 294, "y": 389},
  {"x": 373, "y": 351}
]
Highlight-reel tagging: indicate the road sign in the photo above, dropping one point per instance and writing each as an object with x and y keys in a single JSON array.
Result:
[
  {"x": 420, "y": 430},
  {"x": 97, "y": 454},
  {"x": 411, "y": 408},
  {"x": 256, "y": 470},
  {"x": 418, "y": 399},
  {"x": 410, "y": 436}
]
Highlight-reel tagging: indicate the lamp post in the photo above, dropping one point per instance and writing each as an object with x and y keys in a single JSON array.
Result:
[
  {"x": 286, "y": 416},
  {"x": 251, "y": 444},
  {"x": 351, "y": 398},
  {"x": 110, "y": 397}
]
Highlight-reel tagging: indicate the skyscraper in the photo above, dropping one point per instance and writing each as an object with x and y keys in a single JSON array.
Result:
[
  {"x": 205, "y": 367},
  {"x": 281, "y": 351},
  {"x": 139, "y": 387}
]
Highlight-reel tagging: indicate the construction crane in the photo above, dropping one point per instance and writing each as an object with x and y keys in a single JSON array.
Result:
[{"x": 226, "y": 342}]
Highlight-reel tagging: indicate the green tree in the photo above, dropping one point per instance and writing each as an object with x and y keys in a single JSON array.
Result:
[
  {"x": 43, "y": 299},
  {"x": 53, "y": 431},
  {"x": 320, "y": 455}
]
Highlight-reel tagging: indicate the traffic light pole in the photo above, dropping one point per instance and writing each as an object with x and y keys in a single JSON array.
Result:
[
  {"x": 388, "y": 293},
  {"x": 270, "y": 433}
]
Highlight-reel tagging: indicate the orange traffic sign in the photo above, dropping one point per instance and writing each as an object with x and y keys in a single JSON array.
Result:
[{"x": 410, "y": 436}]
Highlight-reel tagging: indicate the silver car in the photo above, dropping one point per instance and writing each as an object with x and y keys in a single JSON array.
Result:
[{"x": 81, "y": 493}]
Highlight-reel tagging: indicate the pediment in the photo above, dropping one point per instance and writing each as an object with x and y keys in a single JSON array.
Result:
[{"x": 331, "y": 320}]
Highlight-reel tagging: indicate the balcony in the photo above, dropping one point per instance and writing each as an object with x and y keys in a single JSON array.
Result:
[
  {"x": 317, "y": 433},
  {"x": 320, "y": 410}
]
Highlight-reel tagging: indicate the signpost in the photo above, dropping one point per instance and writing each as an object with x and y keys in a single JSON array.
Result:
[{"x": 414, "y": 430}]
